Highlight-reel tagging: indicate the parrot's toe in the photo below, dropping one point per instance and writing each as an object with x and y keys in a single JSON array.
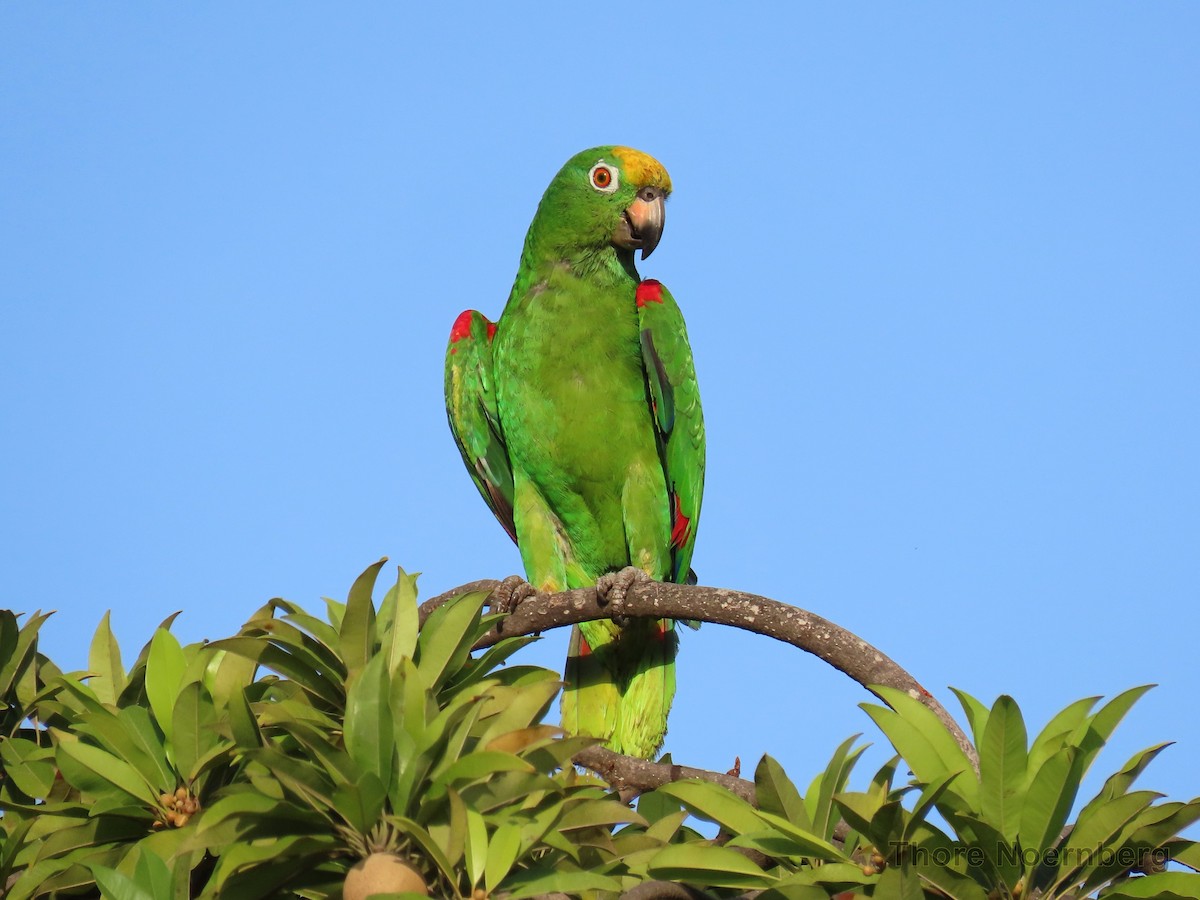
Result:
[
  {"x": 612, "y": 587},
  {"x": 509, "y": 593}
]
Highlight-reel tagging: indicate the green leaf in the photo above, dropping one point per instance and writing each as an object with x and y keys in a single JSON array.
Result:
[
  {"x": 242, "y": 723},
  {"x": 1096, "y": 732},
  {"x": 912, "y": 744},
  {"x": 20, "y": 646},
  {"x": 357, "y": 638},
  {"x": 234, "y": 818},
  {"x": 501, "y": 854},
  {"x": 1147, "y": 831},
  {"x": 1096, "y": 830},
  {"x": 398, "y": 613},
  {"x": 654, "y": 806},
  {"x": 360, "y": 804},
  {"x": 513, "y": 708},
  {"x": 532, "y": 883},
  {"x": 302, "y": 778},
  {"x": 881, "y": 782},
  {"x": 473, "y": 766},
  {"x": 1169, "y": 821},
  {"x": 1163, "y": 886},
  {"x": 228, "y": 676},
  {"x": 89, "y": 768},
  {"x": 30, "y": 767},
  {"x": 193, "y": 726},
  {"x": 593, "y": 813},
  {"x": 1057, "y": 732},
  {"x": 476, "y": 846},
  {"x": 798, "y": 888},
  {"x": 1002, "y": 760},
  {"x": 976, "y": 713},
  {"x": 165, "y": 665},
  {"x": 1048, "y": 800},
  {"x": 859, "y": 810},
  {"x": 926, "y": 802},
  {"x": 104, "y": 662},
  {"x": 147, "y": 738},
  {"x": 707, "y": 865},
  {"x": 492, "y": 658},
  {"x": 809, "y": 844},
  {"x": 900, "y": 883},
  {"x": 152, "y": 872},
  {"x": 714, "y": 803},
  {"x": 1119, "y": 782},
  {"x": 445, "y": 641},
  {"x": 1000, "y": 858},
  {"x": 954, "y": 885},
  {"x": 934, "y": 737},
  {"x": 326, "y": 687},
  {"x": 819, "y": 802},
  {"x": 306, "y": 650},
  {"x": 368, "y": 723},
  {"x": 115, "y": 886}
]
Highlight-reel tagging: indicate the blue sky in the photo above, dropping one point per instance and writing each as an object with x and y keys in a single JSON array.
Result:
[{"x": 939, "y": 265}]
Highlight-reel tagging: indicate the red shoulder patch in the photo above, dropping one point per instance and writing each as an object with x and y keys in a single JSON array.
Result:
[
  {"x": 680, "y": 528},
  {"x": 491, "y": 330},
  {"x": 462, "y": 326},
  {"x": 649, "y": 291}
]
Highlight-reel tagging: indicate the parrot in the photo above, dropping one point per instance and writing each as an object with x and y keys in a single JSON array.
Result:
[{"x": 578, "y": 417}]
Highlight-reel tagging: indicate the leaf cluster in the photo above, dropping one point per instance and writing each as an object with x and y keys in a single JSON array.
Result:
[{"x": 266, "y": 764}]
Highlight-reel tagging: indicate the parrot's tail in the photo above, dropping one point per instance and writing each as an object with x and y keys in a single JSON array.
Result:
[{"x": 620, "y": 681}]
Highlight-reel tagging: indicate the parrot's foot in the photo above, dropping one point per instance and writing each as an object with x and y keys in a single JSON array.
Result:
[
  {"x": 509, "y": 593},
  {"x": 612, "y": 587}
]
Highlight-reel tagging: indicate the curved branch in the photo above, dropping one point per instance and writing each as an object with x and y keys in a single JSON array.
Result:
[
  {"x": 426, "y": 608},
  {"x": 655, "y": 599},
  {"x": 630, "y": 772}
]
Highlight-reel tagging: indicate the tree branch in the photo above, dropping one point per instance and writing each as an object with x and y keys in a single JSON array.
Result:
[
  {"x": 840, "y": 648},
  {"x": 630, "y": 772}
]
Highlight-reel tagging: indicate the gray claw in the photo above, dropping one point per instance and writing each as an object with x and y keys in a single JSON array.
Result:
[
  {"x": 612, "y": 587},
  {"x": 509, "y": 593}
]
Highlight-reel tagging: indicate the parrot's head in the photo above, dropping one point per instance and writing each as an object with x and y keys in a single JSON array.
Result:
[{"x": 606, "y": 197}]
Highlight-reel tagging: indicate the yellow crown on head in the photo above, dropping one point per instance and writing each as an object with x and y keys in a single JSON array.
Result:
[{"x": 642, "y": 168}]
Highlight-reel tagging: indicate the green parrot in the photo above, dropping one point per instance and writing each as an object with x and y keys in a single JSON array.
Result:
[{"x": 578, "y": 417}]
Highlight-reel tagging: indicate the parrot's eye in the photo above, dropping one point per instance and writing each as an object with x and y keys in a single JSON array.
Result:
[{"x": 604, "y": 178}]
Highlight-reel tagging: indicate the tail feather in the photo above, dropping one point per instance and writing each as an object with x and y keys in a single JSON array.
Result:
[
  {"x": 590, "y": 698},
  {"x": 620, "y": 682}
]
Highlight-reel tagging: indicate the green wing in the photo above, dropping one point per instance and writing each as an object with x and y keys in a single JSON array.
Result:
[
  {"x": 679, "y": 422},
  {"x": 471, "y": 408}
]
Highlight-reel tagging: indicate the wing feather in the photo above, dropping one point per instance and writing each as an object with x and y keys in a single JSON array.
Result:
[
  {"x": 679, "y": 421},
  {"x": 471, "y": 408}
]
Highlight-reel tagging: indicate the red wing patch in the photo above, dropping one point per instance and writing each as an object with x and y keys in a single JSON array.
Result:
[
  {"x": 649, "y": 291},
  {"x": 491, "y": 330},
  {"x": 680, "y": 528},
  {"x": 462, "y": 326},
  {"x": 585, "y": 648}
]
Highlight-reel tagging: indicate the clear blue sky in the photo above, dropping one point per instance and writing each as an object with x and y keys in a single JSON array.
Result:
[{"x": 940, "y": 265}]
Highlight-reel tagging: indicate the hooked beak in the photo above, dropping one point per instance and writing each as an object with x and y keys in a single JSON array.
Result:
[{"x": 641, "y": 224}]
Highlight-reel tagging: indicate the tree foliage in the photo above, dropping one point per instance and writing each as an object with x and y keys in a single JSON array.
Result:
[{"x": 270, "y": 763}]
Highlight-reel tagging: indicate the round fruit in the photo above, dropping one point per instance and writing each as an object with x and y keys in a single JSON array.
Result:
[{"x": 382, "y": 873}]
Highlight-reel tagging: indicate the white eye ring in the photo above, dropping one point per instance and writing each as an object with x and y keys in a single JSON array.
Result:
[{"x": 613, "y": 179}]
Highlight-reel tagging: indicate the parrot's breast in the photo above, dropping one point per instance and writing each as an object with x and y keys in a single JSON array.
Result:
[{"x": 573, "y": 404}]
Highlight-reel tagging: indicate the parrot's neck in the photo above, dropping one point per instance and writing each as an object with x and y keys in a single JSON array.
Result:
[{"x": 603, "y": 264}]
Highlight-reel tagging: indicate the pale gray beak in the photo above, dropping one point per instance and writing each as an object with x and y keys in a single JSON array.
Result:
[{"x": 641, "y": 224}]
